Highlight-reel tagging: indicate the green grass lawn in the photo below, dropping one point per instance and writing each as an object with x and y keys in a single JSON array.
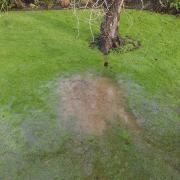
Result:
[{"x": 38, "y": 48}]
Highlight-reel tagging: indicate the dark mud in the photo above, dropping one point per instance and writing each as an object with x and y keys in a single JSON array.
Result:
[{"x": 91, "y": 102}]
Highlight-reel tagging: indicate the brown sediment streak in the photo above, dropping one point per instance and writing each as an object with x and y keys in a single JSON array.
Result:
[{"x": 92, "y": 102}]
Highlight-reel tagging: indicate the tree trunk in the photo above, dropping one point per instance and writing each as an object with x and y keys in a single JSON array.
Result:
[{"x": 109, "y": 36}]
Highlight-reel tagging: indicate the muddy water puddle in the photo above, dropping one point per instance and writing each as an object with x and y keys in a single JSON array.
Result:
[{"x": 91, "y": 102}]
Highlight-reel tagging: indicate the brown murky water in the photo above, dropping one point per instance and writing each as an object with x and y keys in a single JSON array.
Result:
[{"x": 92, "y": 102}]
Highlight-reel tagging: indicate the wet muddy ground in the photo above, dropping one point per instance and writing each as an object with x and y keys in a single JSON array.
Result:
[{"x": 89, "y": 103}]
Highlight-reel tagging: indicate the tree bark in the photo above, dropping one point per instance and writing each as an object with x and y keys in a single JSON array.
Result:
[{"x": 109, "y": 31}]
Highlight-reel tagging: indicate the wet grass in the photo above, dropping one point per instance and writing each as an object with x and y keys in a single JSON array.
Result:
[{"x": 36, "y": 48}]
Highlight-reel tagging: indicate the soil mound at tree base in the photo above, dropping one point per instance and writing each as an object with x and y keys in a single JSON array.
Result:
[{"x": 91, "y": 102}]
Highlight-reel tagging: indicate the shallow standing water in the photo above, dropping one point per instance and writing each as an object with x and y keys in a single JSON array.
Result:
[{"x": 89, "y": 103}]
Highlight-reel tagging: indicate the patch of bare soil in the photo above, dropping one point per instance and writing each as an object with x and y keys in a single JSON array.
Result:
[{"x": 92, "y": 102}]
